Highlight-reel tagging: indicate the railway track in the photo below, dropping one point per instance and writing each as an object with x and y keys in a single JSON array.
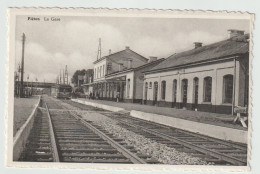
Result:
[
  {"x": 212, "y": 150},
  {"x": 65, "y": 137}
]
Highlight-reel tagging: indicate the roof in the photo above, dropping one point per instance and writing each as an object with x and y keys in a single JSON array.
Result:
[
  {"x": 234, "y": 46},
  {"x": 136, "y": 68},
  {"x": 126, "y": 53}
]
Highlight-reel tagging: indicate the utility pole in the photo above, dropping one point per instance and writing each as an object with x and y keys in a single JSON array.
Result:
[
  {"x": 99, "y": 49},
  {"x": 22, "y": 68}
]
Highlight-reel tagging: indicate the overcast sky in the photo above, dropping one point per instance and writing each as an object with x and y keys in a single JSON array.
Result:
[{"x": 73, "y": 41}]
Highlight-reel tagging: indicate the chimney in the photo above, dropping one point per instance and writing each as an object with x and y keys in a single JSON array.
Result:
[
  {"x": 152, "y": 58},
  {"x": 127, "y": 47},
  {"x": 234, "y": 33},
  {"x": 129, "y": 63},
  {"x": 197, "y": 44},
  {"x": 109, "y": 52}
]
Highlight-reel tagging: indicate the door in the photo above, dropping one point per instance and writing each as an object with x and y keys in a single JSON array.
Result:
[
  {"x": 184, "y": 92},
  {"x": 155, "y": 92},
  {"x": 145, "y": 93},
  {"x": 174, "y": 93},
  {"x": 196, "y": 92}
]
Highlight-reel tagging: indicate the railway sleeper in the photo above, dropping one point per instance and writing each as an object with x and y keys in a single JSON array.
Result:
[
  {"x": 79, "y": 160},
  {"x": 80, "y": 138},
  {"x": 90, "y": 150},
  {"x": 87, "y": 155}
]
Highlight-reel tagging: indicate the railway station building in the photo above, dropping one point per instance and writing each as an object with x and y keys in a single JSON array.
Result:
[
  {"x": 119, "y": 76},
  {"x": 211, "y": 78}
]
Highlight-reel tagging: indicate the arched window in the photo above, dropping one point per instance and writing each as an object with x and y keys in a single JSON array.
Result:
[
  {"x": 163, "y": 90},
  {"x": 207, "y": 89},
  {"x": 174, "y": 91},
  {"x": 228, "y": 88},
  {"x": 150, "y": 85}
]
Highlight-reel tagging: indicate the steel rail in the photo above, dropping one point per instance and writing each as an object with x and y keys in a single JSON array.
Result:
[
  {"x": 203, "y": 150},
  {"x": 240, "y": 147},
  {"x": 52, "y": 136},
  {"x": 134, "y": 158}
]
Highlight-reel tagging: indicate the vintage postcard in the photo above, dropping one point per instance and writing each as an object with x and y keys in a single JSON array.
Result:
[{"x": 129, "y": 89}]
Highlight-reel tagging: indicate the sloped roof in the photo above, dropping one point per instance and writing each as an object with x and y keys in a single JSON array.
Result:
[
  {"x": 233, "y": 46},
  {"x": 126, "y": 53},
  {"x": 137, "y": 68}
]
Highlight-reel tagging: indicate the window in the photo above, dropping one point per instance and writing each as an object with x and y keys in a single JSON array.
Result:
[
  {"x": 163, "y": 92},
  {"x": 174, "y": 93},
  {"x": 150, "y": 85},
  {"x": 207, "y": 89},
  {"x": 228, "y": 88},
  {"x": 103, "y": 70}
]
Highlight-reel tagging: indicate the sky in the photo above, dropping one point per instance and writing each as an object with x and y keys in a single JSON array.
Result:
[{"x": 73, "y": 41}]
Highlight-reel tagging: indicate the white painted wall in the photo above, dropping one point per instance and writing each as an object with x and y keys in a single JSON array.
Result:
[
  {"x": 217, "y": 71},
  {"x": 100, "y": 74}
]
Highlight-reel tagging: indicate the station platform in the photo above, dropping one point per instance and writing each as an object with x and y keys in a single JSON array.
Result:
[
  {"x": 23, "y": 109},
  {"x": 212, "y": 124}
]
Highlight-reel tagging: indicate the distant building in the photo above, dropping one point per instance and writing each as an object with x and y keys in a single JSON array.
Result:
[
  {"x": 87, "y": 81},
  {"x": 211, "y": 78},
  {"x": 119, "y": 76}
]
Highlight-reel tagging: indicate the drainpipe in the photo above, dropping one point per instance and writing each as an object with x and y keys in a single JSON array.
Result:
[{"x": 234, "y": 86}]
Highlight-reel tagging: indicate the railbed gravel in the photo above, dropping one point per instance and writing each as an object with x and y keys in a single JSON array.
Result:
[{"x": 161, "y": 152}]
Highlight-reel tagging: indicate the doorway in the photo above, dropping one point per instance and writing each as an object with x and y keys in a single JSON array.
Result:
[
  {"x": 155, "y": 93},
  {"x": 184, "y": 92}
]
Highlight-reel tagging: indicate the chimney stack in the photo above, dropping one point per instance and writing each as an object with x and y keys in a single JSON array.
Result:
[
  {"x": 234, "y": 33},
  {"x": 152, "y": 58},
  {"x": 127, "y": 47},
  {"x": 109, "y": 52},
  {"x": 197, "y": 44}
]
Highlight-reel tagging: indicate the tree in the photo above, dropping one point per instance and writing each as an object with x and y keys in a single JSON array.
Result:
[{"x": 74, "y": 78}]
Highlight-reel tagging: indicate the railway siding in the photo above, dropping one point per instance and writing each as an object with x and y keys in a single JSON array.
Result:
[
  {"x": 213, "y": 150},
  {"x": 209, "y": 129},
  {"x": 223, "y": 133}
]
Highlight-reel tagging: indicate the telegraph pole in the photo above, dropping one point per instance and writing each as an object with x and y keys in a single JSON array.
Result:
[{"x": 22, "y": 68}]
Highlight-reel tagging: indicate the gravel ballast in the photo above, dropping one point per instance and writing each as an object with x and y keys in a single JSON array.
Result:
[{"x": 160, "y": 152}]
